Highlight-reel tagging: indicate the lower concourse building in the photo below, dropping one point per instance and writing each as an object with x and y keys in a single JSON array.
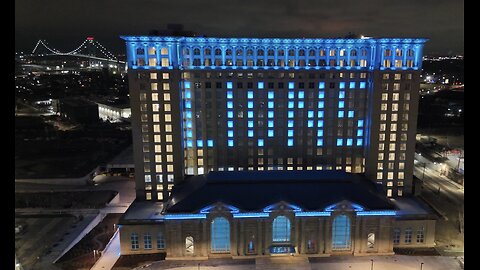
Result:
[{"x": 267, "y": 213}]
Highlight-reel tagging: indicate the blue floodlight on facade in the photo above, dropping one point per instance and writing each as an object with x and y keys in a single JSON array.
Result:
[
  {"x": 363, "y": 85},
  {"x": 250, "y": 94},
  {"x": 188, "y": 104},
  {"x": 271, "y": 114},
  {"x": 229, "y": 85},
  {"x": 229, "y": 94},
  {"x": 290, "y": 123},
  {"x": 270, "y": 124},
  {"x": 341, "y": 114},
  {"x": 377, "y": 213},
  {"x": 339, "y": 142},
  {"x": 313, "y": 214},
  {"x": 342, "y": 85},
  {"x": 250, "y": 133},
  {"x": 271, "y": 95},
  {"x": 187, "y": 85},
  {"x": 230, "y": 143},
  {"x": 290, "y": 142},
  {"x": 229, "y": 105},
  {"x": 301, "y": 94},
  {"x": 350, "y": 114},
  {"x": 360, "y": 123},
  {"x": 199, "y": 143},
  {"x": 291, "y": 95},
  {"x": 341, "y": 94},
  {"x": 229, "y": 114},
  {"x": 188, "y": 94},
  {"x": 291, "y": 85},
  {"x": 260, "y": 142},
  {"x": 320, "y": 133},
  {"x": 359, "y": 142},
  {"x": 349, "y": 142},
  {"x": 260, "y": 85},
  {"x": 271, "y": 133},
  {"x": 210, "y": 143},
  {"x": 321, "y": 94},
  {"x": 319, "y": 142},
  {"x": 250, "y": 114},
  {"x": 250, "y": 124},
  {"x": 321, "y": 85},
  {"x": 230, "y": 133},
  {"x": 321, "y": 104},
  {"x": 271, "y": 104},
  {"x": 251, "y": 215},
  {"x": 230, "y": 124},
  {"x": 301, "y": 104},
  {"x": 269, "y": 209},
  {"x": 184, "y": 216},
  {"x": 352, "y": 85}
]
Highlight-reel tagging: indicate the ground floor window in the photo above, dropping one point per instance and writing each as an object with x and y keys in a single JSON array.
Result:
[
  {"x": 220, "y": 232},
  {"x": 281, "y": 229},
  {"x": 341, "y": 239},
  {"x": 371, "y": 240},
  {"x": 396, "y": 236},
  {"x": 160, "y": 240},
  {"x": 408, "y": 236},
  {"x": 189, "y": 248},
  {"x": 311, "y": 245},
  {"x": 420, "y": 236},
  {"x": 134, "y": 241},
  {"x": 147, "y": 241}
]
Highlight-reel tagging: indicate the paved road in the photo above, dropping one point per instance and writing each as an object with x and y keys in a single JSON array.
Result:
[{"x": 110, "y": 254}]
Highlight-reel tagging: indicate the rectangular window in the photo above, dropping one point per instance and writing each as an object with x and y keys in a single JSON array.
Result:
[
  {"x": 147, "y": 241},
  {"x": 160, "y": 240},
  {"x": 165, "y": 62},
  {"x": 134, "y": 241},
  {"x": 408, "y": 236},
  {"x": 396, "y": 236}
]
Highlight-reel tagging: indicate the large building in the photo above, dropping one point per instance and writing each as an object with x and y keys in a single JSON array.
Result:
[
  {"x": 253, "y": 147},
  {"x": 231, "y": 104}
]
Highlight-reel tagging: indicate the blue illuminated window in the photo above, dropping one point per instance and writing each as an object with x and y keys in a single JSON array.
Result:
[
  {"x": 350, "y": 114},
  {"x": 230, "y": 143},
  {"x": 321, "y": 104},
  {"x": 321, "y": 94},
  {"x": 230, "y": 133},
  {"x": 188, "y": 104},
  {"x": 320, "y": 123},
  {"x": 321, "y": 85},
  {"x": 359, "y": 142},
  {"x": 188, "y": 94},
  {"x": 189, "y": 143},
  {"x": 363, "y": 85},
  {"x": 229, "y": 105},
  {"x": 250, "y": 104},
  {"x": 320, "y": 114},
  {"x": 230, "y": 114},
  {"x": 210, "y": 143},
  {"x": 349, "y": 142},
  {"x": 270, "y": 114},
  {"x": 271, "y": 133},
  {"x": 290, "y": 123},
  {"x": 250, "y": 114},
  {"x": 291, "y": 104},
  {"x": 189, "y": 124},
  {"x": 340, "y": 114},
  {"x": 311, "y": 114},
  {"x": 301, "y": 104},
  {"x": 260, "y": 142},
  {"x": 320, "y": 133},
  {"x": 319, "y": 142},
  {"x": 270, "y": 104},
  {"x": 199, "y": 143},
  {"x": 250, "y": 94},
  {"x": 188, "y": 114},
  {"x": 291, "y": 85},
  {"x": 230, "y": 124},
  {"x": 270, "y": 123},
  {"x": 352, "y": 85},
  {"x": 187, "y": 85},
  {"x": 290, "y": 133},
  {"x": 271, "y": 95},
  {"x": 342, "y": 85},
  {"x": 220, "y": 232},
  {"x": 341, "y": 239},
  {"x": 341, "y": 94},
  {"x": 339, "y": 142},
  {"x": 229, "y": 94},
  {"x": 250, "y": 124},
  {"x": 189, "y": 133},
  {"x": 260, "y": 85},
  {"x": 290, "y": 114},
  {"x": 341, "y": 104},
  {"x": 360, "y": 132},
  {"x": 229, "y": 85},
  {"x": 281, "y": 229},
  {"x": 291, "y": 95},
  {"x": 301, "y": 94},
  {"x": 360, "y": 123},
  {"x": 310, "y": 123},
  {"x": 250, "y": 133},
  {"x": 290, "y": 142}
]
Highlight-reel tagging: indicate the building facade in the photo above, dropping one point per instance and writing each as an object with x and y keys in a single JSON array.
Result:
[{"x": 232, "y": 104}]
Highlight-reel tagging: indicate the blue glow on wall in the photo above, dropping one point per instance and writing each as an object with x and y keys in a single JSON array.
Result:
[
  {"x": 187, "y": 85},
  {"x": 359, "y": 142},
  {"x": 250, "y": 94},
  {"x": 363, "y": 85},
  {"x": 313, "y": 214},
  {"x": 320, "y": 133},
  {"x": 229, "y": 94},
  {"x": 229, "y": 105},
  {"x": 352, "y": 85},
  {"x": 260, "y": 142},
  {"x": 291, "y": 85},
  {"x": 250, "y": 133},
  {"x": 270, "y": 124},
  {"x": 230, "y": 143},
  {"x": 341, "y": 94},
  {"x": 230, "y": 133},
  {"x": 271, "y": 133},
  {"x": 290, "y": 142},
  {"x": 251, "y": 215},
  {"x": 360, "y": 123},
  {"x": 301, "y": 104},
  {"x": 291, "y": 95},
  {"x": 250, "y": 104},
  {"x": 230, "y": 124},
  {"x": 184, "y": 216},
  {"x": 229, "y": 85},
  {"x": 199, "y": 143},
  {"x": 291, "y": 104},
  {"x": 320, "y": 114},
  {"x": 250, "y": 114},
  {"x": 250, "y": 124},
  {"x": 321, "y": 85},
  {"x": 210, "y": 143},
  {"x": 271, "y": 95},
  {"x": 290, "y": 123},
  {"x": 350, "y": 114},
  {"x": 321, "y": 104},
  {"x": 301, "y": 94},
  {"x": 319, "y": 142},
  {"x": 377, "y": 213},
  {"x": 230, "y": 114},
  {"x": 320, "y": 123},
  {"x": 340, "y": 114},
  {"x": 271, "y": 114},
  {"x": 321, "y": 94},
  {"x": 342, "y": 85},
  {"x": 188, "y": 104},
  {"x": 360, "y": 133},
  {"x": 311, "y": 114},
  {"x": 260, "y": 85},
  {"x": 270, "y": 104},
  {"x": 339, "y": 142}
]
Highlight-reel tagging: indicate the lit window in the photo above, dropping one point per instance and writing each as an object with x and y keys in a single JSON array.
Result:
[
  {"x": 165, "y": 62},
  {"x": 319, "y": 142},
  {"x": 339, "y": 142},
  {"x": 260, "y": 142},
  {"x": 321, "y": 85},
  {"x": 230, "y": 143},
  {"x": 290, "y": 142},
  {"x": 260, "y": 85},
  {"x": 341, "y": 114},
  {"x": 342, "y": 85}
]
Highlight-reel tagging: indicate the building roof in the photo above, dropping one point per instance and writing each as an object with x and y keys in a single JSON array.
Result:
[{"x": 254, "y": 190}]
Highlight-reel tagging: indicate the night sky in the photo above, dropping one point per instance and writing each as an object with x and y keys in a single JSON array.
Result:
[{"x": 66, "y": 23}]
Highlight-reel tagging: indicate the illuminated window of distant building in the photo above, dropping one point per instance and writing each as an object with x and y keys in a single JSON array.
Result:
[
  {"x": 158, "y": 168},
  {"x": 166, "y": 97},
  {"x": 389, "y": 193},
  {"x": 381, "y": 146},
  {"x": 384, "y": 107},
  {"x": 380, "y": 156},
  {"x": 396, "y": 86},
  {"x": 385, "y": 96},
  {"x": 398, "y": 63},
  {"x": 381, "y": 137},
  {"x": 391, "y": 156},
  {"x": 393, "y": 137},
  {"x": 168, "y": 117},
  {"x": 379, "y": 175},
  {"x": 168, "y": 138},
  {"x": 386, "y": 76},
  {"x": 148, "y": 196},
  {"x": 382, "y": 127},
  {"x": 158, "y": 158},
  {"x": 158, "y": 148},
  {"x": 169, "y": 148},
  {"x": 391, "y": 147},
  {"x": 390, "y": 177}
]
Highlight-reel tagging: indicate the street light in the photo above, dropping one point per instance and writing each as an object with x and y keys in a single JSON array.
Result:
[
  {"x": 421, "y": 266},
  {"x": 371, "y": 268}
]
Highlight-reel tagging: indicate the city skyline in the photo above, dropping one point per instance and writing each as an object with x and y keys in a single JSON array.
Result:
[{"x": 61, "y": 25}]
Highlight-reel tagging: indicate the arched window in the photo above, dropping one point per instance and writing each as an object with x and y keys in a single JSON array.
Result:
[
  {"x": 398, "y": 52},
  {"x": 353, "y": 53},
  {"x": 364, "y": 52},
  {"x": 251, "y": 247},
  {"x": 281, "y": 229},
  {"x": 239, "y": 52},
  {"x": 249, "y": 52},
  {"x": 207, "y": 51},
  {"x": 311, "y": 53},
  {"x": 164, "y": 51},
  {"x": 189, "y": 248},
  {"x": 186, "y": 51},
  {"x": 410, "y": 52},
  {"x": 291, "y": 53},
  {"x": 271, "y": 52},
  {"x": 260, "y": 52},
  {"x": 140, "y": 51},
  {"x": 387, "y": 52},
  {"x": 228, "y": 52},
  {"x": 301, "y": 52},
  {"x": 218, "y": 52},
  {"x": 220, "y": 235},
  {"x": 196, "y": 51},
  {"x": 281, "y": 52},
  {"x": 371, "y": 240},
  {"x": 321, "y": 52},
  {"x": 341, "y": 239}
]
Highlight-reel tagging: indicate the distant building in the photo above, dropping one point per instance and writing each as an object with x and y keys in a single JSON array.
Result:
[
  {"x": 78, "y": 110},
  {"x": 113, "y": 112}
]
